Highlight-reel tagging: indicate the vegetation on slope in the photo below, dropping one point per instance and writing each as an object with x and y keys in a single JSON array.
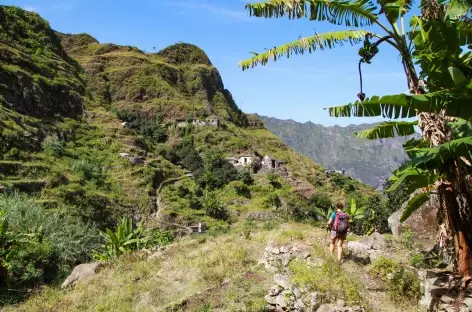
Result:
[{"x": 105, "y": 149}]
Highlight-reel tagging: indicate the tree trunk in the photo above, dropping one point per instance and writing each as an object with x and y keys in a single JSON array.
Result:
[{"x": 458, "y": 231}]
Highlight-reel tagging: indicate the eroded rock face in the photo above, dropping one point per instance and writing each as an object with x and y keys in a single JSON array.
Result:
[
  {"x": 422, "y": 222},
  {"x": 80, "y": 272}
]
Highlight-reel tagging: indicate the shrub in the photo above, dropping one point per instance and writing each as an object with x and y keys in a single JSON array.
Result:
[
  {"x": 321, "y": 201},
  {"x": 87, "y": 170},
  {"x": 246, "y": 177},
  {"x": 382, "y": 267},
  {"x": 213, "y": 205},
  {"x": 269, "y": 225},
  {"x": 404, "y": 286},
  {"x": 417, "y": 260},
  {"x": 128, "y": 237},
  {"x": 39, "y": 246},
  {"x": 240, "y": 188},
  {"x": 328, "y": 279},
  {"x": 52, "y": 146},
  {"x": 407, "y": 238}
]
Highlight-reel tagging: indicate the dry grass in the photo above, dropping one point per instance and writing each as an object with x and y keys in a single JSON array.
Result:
[{"x": 204, "y": 273}]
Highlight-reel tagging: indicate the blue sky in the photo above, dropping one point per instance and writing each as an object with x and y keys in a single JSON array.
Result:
[{"x": 297, "y": 88}]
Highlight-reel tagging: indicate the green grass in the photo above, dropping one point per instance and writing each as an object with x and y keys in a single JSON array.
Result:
[{"x": 329, "y": 279}]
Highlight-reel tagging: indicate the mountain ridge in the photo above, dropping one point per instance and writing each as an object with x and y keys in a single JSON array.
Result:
[{"x": 336, "y": 148}]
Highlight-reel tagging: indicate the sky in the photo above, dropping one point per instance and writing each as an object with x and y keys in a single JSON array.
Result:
[{"x": 298, "y": 88}]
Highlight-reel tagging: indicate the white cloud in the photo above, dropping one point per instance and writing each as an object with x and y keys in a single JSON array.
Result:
[{"x": 212, "y": 8}]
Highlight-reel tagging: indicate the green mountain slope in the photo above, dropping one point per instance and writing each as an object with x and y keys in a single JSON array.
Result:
[
  {"x": 101, "y": 125},
  {"x": 337, "y": 148}
]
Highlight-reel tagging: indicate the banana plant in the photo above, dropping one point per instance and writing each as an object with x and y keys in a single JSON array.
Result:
[{"x": 437, "y": 42}]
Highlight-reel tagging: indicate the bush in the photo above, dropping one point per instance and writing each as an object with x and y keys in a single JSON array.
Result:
[
  {"x": 246, "y": 177},
  {"x": 39, "y": 247},
  {"x": 88, "y": 170},
  {"x": 128, "y": 237},
  {"x": 321, "y": 201},
  {"x": 407, "y": 238},
  {"x": 404, "y": 286},
  {"x": 213, "y": 206},
  {"x": 382, "y": 267},
  {"x": 52, "y": 146},
  {"x": 329, "y": 279},
  {"x": 240, "y": 188},
  {"x": 417, "y": 260}
]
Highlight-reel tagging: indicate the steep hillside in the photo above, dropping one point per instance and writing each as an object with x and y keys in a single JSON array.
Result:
[
  {"x": 101, "y": 131},
  {"x": 336, "y": 148}
]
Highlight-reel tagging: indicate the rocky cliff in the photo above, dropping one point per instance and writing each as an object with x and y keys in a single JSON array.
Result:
[{"x": 336, "y": 148}]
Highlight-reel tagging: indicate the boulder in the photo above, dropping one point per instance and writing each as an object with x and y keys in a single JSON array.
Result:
[
  {"x": 275, "y": 290},
  {"x": 422, "y": 222},
  {"x": 80, "y": 272},
  {"x": 366, "y": 250},
  {"x": 282, "y": 281}
]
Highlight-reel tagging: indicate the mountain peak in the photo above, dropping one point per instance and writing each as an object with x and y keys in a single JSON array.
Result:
[{"x": 185, "y": 53}]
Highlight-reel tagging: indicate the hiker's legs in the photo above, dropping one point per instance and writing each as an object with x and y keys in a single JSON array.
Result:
[
  {"x": 340, "y": 248},
  {"x": 331, "y": 246}
]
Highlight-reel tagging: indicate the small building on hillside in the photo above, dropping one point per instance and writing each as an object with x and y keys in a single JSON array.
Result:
[
  {"x": 232, "y": 160},
  {"x": 213, "y": 122},
  {"x": 330, "y": 172},
  {"x": 241, "y": 161},
  {"x": 245, "y": 160},
  {"x": 269, "y": 163}
]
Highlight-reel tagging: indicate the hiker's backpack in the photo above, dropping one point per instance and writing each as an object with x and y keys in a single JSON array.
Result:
[{"x": 340, "y": 222}]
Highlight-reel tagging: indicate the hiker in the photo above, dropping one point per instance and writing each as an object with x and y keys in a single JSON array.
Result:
[{"x": 338, "y": 224}]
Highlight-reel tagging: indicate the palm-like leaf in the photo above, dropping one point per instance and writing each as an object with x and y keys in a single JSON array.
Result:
[
  {"x": 432, "y": 158},
  {"x": 309, "y": 44},
  {"x": 418, "y": 179},
  {"x": 396, "y": 8},
  {"x": 339, "y": 12},
  {"x": 388, "y": 129},
  {"x": 405, "y": 106},
  {"x": 413, "y": 204}
]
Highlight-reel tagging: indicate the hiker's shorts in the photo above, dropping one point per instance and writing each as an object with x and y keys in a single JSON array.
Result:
[{"x": 335, "y": 234}]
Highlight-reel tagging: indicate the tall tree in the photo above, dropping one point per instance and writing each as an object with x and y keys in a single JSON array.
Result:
[{"x": 440, "y": 100}]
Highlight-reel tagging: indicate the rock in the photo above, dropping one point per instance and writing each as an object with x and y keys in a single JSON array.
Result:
[
  {"x": 356, "y": 309},
  {"x": 284, "y": 249},
  {"x": 285, "y": 259},
  {"x": 275, "y": 290},
  {"x": 272, "y": 249},
  {"x": 359, "y": 251},
  {"x": 447, "y": 299},
  {"x": 124, "y": 155},
  {"x": 280, "y": 301},
  {"x": 340, "y": 303},
  {"x": 300, "y": 305},
  {"x": 422, "y": 222},
  {"x": 468, "y": 303},
  {"x": 326, "y": 308},
  {"x": 282, "y": 281},
  {"x": 155, "y": 256},
  {"x": 80, "y": 272},
  {"x": 314, "y": 300},
  {"x": 271, "y": 300},
  {"x": 296, "y": 292}
]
